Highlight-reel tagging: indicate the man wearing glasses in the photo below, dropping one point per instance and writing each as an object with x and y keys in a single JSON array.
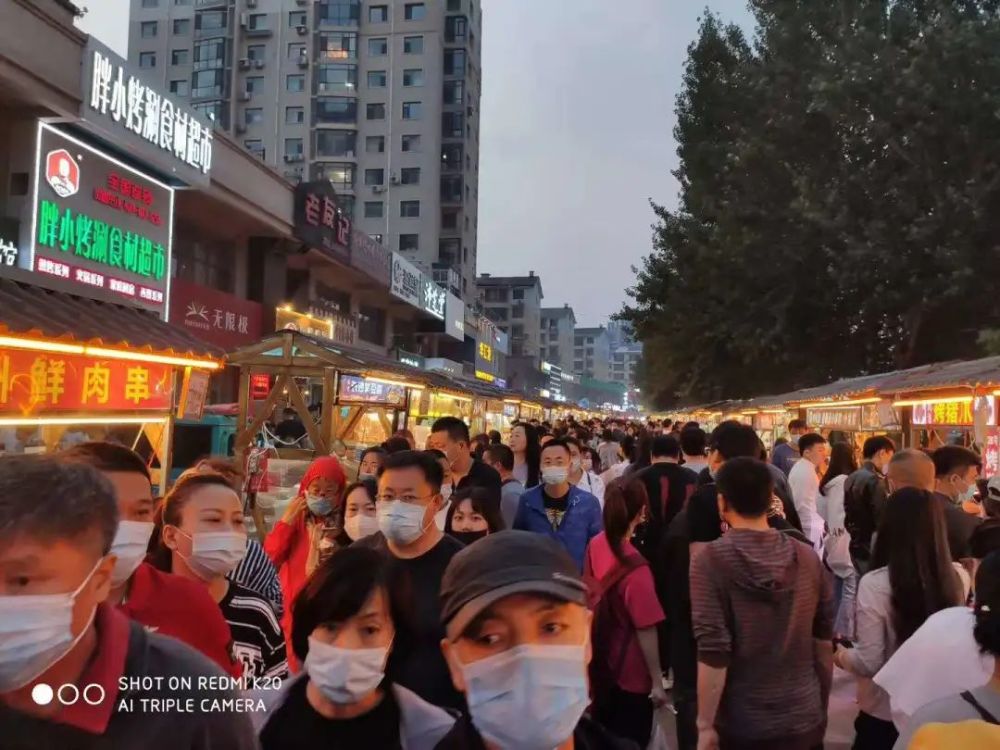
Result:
[{"x": 409, "y": 496}]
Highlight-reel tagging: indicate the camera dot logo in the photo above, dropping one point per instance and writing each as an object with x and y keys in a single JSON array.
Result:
[
  {"x": 68, "y": 694},
  {"x": 42, "y": 694}
]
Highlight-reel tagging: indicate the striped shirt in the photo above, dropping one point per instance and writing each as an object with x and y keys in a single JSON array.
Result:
[
  {"x": 258, "y": 643},
  {"x": 256, "y": 572}
]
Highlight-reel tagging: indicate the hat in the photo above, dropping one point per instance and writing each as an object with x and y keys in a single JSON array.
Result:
[
  {"x": 502, "y": 564},
  {"x": 993, "y": 488}
]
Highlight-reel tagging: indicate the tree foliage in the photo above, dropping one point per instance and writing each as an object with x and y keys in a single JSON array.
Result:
[{"x": 838, "y": 211}]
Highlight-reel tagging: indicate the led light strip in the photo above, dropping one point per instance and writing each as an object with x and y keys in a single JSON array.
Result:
[
  {"x": 24, "y": 421},
  {"x": 97, "y": 351},
  {"x": 833, "y": 404}
]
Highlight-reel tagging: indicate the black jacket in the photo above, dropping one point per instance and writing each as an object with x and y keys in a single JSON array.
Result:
[
  {"x": 588, "y": 735},
  {"x": 865, "y": 493}
]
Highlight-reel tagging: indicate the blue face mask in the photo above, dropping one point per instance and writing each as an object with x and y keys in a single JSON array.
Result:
[
  {"x": 319, "y": 505},
  {"x": 530, "y": 697}
]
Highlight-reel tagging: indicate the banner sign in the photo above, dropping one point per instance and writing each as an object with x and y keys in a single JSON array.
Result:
[
  {"x": 843, "y": 418},
  {"x": 194, "y": 393},
  {"x": 961, "y": 413},
  {"x": 34, "y": 383},
  {"x": 371, "y": 257},
  {"x": 406, "y": 281},
  {"x": 319, "y": 222},
  {"x": 433, "y": 298},
  {"x": 260, "y": 385},
  {"x": 353, "y": 388},
  {"x": 454, "y": 317},
  {"x": 99, "y": 224},
  {"x": 222, "y": 319}
]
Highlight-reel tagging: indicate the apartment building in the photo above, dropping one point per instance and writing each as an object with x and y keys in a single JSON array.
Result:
[
  {"x": 555, "y": 336},
  {"x": 514, "y": 303},
  {"x": 592, "y": 353},
  {"x": 624, "y": 360},
  {"x": 380, "y": 97}
]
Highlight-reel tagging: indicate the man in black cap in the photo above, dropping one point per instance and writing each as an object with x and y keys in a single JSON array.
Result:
[{"x": 518, "y": 644}]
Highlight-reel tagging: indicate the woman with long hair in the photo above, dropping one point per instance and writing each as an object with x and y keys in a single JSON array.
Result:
[
  {"x": 524, "y": 441},
  {"x": 474, "y": 512},
  {"x": 836, "y": 545},
  {"x": 911, "y": 578},
  {"x": 628, "y": 652}
]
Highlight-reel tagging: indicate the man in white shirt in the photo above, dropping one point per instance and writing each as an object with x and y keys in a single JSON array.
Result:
[{"x": 804, "y": 480}]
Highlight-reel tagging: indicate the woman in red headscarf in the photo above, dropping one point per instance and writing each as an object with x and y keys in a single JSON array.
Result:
[{"x": 307, "y": 533}]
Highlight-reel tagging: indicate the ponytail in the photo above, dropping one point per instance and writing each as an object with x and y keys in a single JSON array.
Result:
[{"x": 624, "y": 500}]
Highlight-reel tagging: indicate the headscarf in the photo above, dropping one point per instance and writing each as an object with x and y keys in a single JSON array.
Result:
[
  {"x": 329, "y": 468},
  {"x": 324, "y": 467}
]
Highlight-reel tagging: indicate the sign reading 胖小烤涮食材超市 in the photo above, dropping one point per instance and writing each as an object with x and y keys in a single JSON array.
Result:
[{"x": 99, "y": 226}]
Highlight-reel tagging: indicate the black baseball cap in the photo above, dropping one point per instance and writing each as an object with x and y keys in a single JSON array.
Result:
[{"x": 502, "y": 564}]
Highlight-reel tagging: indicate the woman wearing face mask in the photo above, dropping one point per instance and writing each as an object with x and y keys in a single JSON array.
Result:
[
  {"x": 473, "y": 514},
  {"x": 307, "y": 533},
  {"x": 345, "y": 625},
  {"x": 371, "y": 463},
  {"x": 527, "y": 452},
  {"x": 359, "y": 510},
  {"x": 202, "y": 537}
]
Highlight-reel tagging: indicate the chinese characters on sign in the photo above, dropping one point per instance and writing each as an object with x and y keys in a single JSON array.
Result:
[
  {"x": 371, "y": 257},
  {"x": 486, "y": 352},
  {"x": 319, "y": 221},
  {"x": 953, "y": 412},
  {"x": 8, "y": 253},
  {"x": 433, "y": 298},
  {"x": 293, "y": 321},
  {"x": 406, "y": 280},
  {"x": 353, "y": 388},
  {"x": 260, "y": 385},
  {"x": 844, "y": 418},
  {"x": 213, "y": 316},
  {"x": 33, "y": 383}
]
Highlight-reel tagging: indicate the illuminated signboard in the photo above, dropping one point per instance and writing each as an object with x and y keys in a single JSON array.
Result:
[
  {"x": 433, "y": 299},
  {"x": 411, "y": 359},
  {"x": 406, "y": 281},
  {"x": 486, "y": 352},
  {"x": 260, "y": 385},
  {"x": 289, "y": 320},
  {"x": 33, "y": 383},
  {"x": 353, "y": 388},
  {"x": 319, "y": 221},
  {"x": 844, "y": 418},
  {"x": 100, "y": 225},
  {"x": 954, "y": 412},
  {"x": 485, "y": 376}
]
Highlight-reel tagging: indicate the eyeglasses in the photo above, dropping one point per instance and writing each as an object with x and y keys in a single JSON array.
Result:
[{"x": 408, "y": 499}]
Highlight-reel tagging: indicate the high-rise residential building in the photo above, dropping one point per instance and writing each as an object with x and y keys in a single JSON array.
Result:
[
  {"x": 555, "y": 336},
  {"x": 514, "y": 303},
  {"x": 619, "y": 334},
  {"x": 380, "y": 97},
  {"x": 623, "y": 363},
  {"x": 592, "y": 353}
]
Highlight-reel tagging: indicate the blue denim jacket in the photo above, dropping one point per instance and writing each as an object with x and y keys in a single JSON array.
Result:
[{"x": 581, "y": 523}]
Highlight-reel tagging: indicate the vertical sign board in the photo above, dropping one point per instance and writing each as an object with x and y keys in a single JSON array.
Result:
[
  {"x": 433, "y": 298},
  {"x": 454, "y": 317},
  {"x": 99, "y": 225}
]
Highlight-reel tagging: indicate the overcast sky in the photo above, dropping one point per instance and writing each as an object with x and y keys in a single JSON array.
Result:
[{"x": 577, "y": 116}]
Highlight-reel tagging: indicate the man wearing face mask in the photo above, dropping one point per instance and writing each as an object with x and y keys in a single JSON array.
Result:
[
  {"x": 956, "y": 470},
  {"x": 865, "y": 492},
  {"x": 451, "y": 434},
  {"x": 557, "y": 508},
  {"x": 786, "y": 454},
  {"x": 59, "y": 632},
  {"x": 163, "y": 603},
  {"x": 409, "y": 497},
  {"x": 518, "y": 646}
]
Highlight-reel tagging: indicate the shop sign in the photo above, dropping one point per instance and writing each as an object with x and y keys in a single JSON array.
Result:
[
  {"x": 433, "y": 299},
  {"x": 10, "y": 252},
  {"x": 371, "y": 257},
  {"x": 99, "y": 224},
  {"x": 763, "y": 421},
  {"x": 991, "y": 456},
  {"x": 289, "y": 320},
  {"x": 353, "y": 388},
  {"x": 499, "y": 382},
  {"x": 319, "y": 221},
  {"x": 510, "y": 410},
  {"x": 408, "y": 358},
  {"x": 959, "y": 413},
  {"x": 843, "y": 418},
  {"x": 260, "y": 385},
  {"x": 872, "y": 417},
  {"x": 480, "y": 375},
  {"x": 485, "y": 352},
  {"x": 447, "y": 366},
  {"x": 33, "y": 383},
  {"x": 406, "y": 280},
  {"x": 213, "y": 316},
  {"x": 143, "y": 120},
  {"x": 194, "y": 393},
  {"x": 454, "y": 317}
]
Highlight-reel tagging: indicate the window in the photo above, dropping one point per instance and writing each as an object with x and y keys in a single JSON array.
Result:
[
  {"x": 256, "y": 51},
  {"x": 180, "y": 87},
  {"x": 210, "y": 20},
  {"x": 378, "y": 14},
  {"x": 340, "y": 174},
  {"x": 257, "y": 22},
  {"x": 253, "y": 115},
  {"x": 295, "y": 82},
  {"x": 371, "y": 324},
  {"x": 410, "y": 143},
  {"x": 182, "y": 26},
  {"x": 413, "y": 77},
  {"x": 375, "y": 112},
  {"x": 296, "y": 50},
  {"x": 374, "y": 209},
  {"x": 147, "y": 59},
  {"x": 448, "y": 251},
  {"x": 147, "y": 29},
  {"x": 335, "y": 109},
  {"x": 296, "y": 18},
  {"x": 449, "y": 219},
  {"x": 150, "y": 3},
  {"x": 255, "y": 146},
  {"x": 375, "y": 144},
  {"x": 413, "y": 45},
  {"x": 377, "y": 79},
  {"x": 409, "y": 242},
  {"x": 454, "y": 92},
  {"x": 374, "y": 176},
  {"x": 207, "y": 83},
  {"x": 336, "y": 143},
  {"x": 454, "y": 62},
  {"x": 518, "y": 293},
  {"x": 409, "y": 209},
  {"x": 409, "y": 175},
  {"x": 412, "y": 110},
  {"x": 295, "y": 116},
  {"x": 293, "y": 147},
  {"x": 255, "y": 84},
  {"x": 451, "y": 188},
  {"x": 182, "y": 2},
  {"x": 180, "y": 57},
  {"x": 455, "y": 29},
  {"x": 378, "y": 47},
  {"x": 337, "y": 47},
  {"x": 339, "y": 12},
  {"x": 451, "y": 157},
  {"x": 414, "y": 11},
  {"x": 333, "y": 77},
  {"x": 454, "y": 5},
  {"x": 210, "y": 54},
  {"x": 452, "y": 126}
]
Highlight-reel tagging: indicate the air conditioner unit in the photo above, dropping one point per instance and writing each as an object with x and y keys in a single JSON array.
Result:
[
  {"x": 241, "y": 127},
  {"x": 244, "y": 96},
  {"x": 394, "y": 179},
  {"x": 251, "y": 3},
  {"x": 303, "y": 30},
  {"x": 258, "y": 64},
  {"x": 378, "y": 189},
  {"x": 302, "y": 2},
  {"x": 244, "y": 19},
  {"x": 292, "y": 158},
  {"x": 244, "y": 63},
  {"x": 303, "y": 61}
]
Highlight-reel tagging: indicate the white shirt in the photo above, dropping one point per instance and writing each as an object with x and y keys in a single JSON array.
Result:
[
  {"x": 697, "y": 465},
  {"x": 590, "y": 482},
  {"x": 804, "y": 483}
]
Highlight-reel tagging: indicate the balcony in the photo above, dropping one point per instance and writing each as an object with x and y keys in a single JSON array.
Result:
[{"x": 211, "y": 3}]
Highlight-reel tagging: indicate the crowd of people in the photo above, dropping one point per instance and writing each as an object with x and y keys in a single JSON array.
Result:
[{"x": 564, "y": 589}]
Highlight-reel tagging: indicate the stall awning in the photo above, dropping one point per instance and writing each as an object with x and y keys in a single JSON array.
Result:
[
  {"x": 28, "y": 311},
  {"x": 983, "y": 373}
]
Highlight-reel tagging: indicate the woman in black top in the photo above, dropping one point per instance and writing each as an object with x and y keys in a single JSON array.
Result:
[{"x": 343, "y": 630}]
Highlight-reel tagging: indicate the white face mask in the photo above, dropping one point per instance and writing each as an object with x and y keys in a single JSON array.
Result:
[
  {"x": 129, "y": 546},
  {"x": 446, "y": 491},
  {"x": 345, "y": 675},
  {"x": 555, "y": 474},
  {"x": 215, "y": 553},
  {"x": 360, "y": 526},
  {"x": 576, "y": 464},
  {"x": 530, "y": 697},
  {"x": 36, "y": 631},
  {"x": 402, "y": 523}
]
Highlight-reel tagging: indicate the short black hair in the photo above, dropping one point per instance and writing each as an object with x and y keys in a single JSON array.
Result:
[
  {"x": 665, "y": 446},
  {"x": 48, "y": 499},
  {"x": 495, "y": 437},
  {"x": 423, "y": 460},
  {"x": 987, "y": 610},
  {"x": 339, "y": 588},
  {"x": 734, "y": 440},
  {"x": 797, "y": 424},
  {"x": 378, "y": 450},
  {"x": 949, "y": 459},
  {"x": 693, "y": 441},
  {"x": 500, "y": 454},
  {"x": 985, "y": 539},
  {"x": 875, "y": 444},
  {"x": 810, "y": 439},
  {"x": 457, "y": 429},
  {"x": 106, "y": 457},
  {"x": 556, "y": 443},
  {"x": 395, "y": 444},
  {"x": 747, "y": 486}
]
